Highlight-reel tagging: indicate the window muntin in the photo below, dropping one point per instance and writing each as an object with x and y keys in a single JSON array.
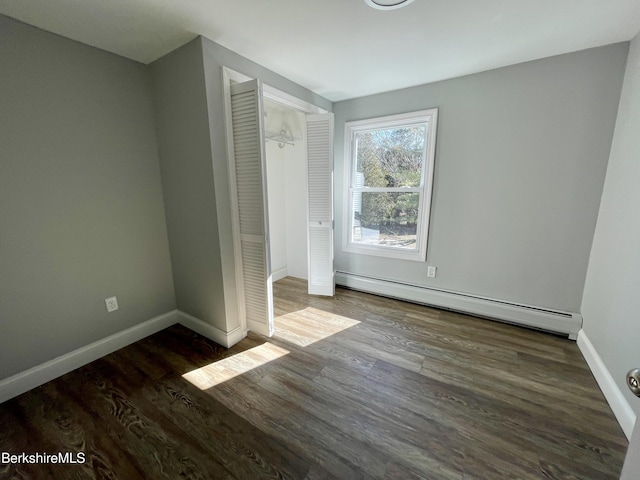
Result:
[{"x": 389, "y": 166}]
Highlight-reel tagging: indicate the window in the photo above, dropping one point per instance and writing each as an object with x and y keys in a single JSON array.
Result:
[{"x": 389, "y": 175}]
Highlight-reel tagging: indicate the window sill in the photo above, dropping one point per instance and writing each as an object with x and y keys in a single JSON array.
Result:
[{"x": 386, "y": 252}]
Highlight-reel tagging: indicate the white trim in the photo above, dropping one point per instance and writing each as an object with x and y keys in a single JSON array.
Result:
[
  {"x": 45, "y": 372},
  {"x": 265, "y": 208},
  {"x": 272, "y": 93},
  {"x": 261, "y": 328},
  {"x": 395, "y": 120},
  {"x": 430, "y": 117},
  {"x": 566, "y": 323},
  {"x": 234, "y": 76},
  {"x": 617, "y": 401},
  {"x": 228, "y": 76},
  {"x": 296, "y": 103},
  {"x": 299, "y": 272},
  {"x": 280, "y": 274},
  {"x": 209, "y": 331}
]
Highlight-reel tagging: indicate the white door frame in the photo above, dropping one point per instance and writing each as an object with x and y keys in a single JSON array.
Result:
[{"x": 229, "y": 77}]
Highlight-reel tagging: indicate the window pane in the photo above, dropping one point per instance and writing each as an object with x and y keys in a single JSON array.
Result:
[
  {"x": 385, "y": 219},
  {"x": 390, "y": 157}
]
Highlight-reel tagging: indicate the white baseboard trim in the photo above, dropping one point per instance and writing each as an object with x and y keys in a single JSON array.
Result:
[
  {"x": 45, "y": 372},
  {"x": 552, "y": 321},
  {"x": 260, "y": 328},
  {"x": 212, "y": 333},
  {"x": 298, "y": 273},
  {"x": 621, "y": 409},
  {"x": 279, "y": 274}
]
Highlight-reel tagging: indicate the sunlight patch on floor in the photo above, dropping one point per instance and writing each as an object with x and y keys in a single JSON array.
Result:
[
  {"x": 218, "y": 372},
  {"x": 310, "y": 325}
]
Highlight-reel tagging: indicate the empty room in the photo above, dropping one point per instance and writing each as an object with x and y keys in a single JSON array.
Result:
[{"x": 349, "y": 239}]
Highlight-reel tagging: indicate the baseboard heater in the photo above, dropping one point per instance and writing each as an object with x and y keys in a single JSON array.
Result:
[{"x": 564, "y": 323}]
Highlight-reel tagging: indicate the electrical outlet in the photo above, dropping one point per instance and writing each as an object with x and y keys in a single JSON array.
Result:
[
  {"x": 431, "y": 272},
  {"x": 111, "y": 303}
]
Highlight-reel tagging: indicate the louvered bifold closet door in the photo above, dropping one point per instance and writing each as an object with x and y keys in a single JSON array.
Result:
[
  {"x": 320, "y": 188},
  {"x": 251, "y": 201}
]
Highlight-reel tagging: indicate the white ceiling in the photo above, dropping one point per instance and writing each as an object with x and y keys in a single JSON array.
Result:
[{"x": 342, "y": 48}]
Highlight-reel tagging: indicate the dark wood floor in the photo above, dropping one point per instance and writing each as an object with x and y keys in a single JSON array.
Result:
[{"x": 355, "y": 386}]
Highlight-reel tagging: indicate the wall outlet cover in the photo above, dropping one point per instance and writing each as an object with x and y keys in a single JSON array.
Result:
[{"x": 111, "y": 303}]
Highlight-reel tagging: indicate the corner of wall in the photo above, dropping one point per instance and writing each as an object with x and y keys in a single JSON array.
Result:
[{"x": 226, "y": 339}]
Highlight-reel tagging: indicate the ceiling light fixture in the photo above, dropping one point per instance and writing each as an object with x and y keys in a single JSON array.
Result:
[{"x": 387, "y": 4}]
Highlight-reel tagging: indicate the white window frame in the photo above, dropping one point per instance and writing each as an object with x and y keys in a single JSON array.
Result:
[{"x": 425, "y": 189}]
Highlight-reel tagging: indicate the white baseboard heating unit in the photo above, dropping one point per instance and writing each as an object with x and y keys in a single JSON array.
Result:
[{"x": 565, "y": 323}]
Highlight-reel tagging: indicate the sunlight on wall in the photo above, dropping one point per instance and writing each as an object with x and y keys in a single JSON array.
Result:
[
  {"x": 218, "y": 372},
  {"x": 310, "y": 325}
]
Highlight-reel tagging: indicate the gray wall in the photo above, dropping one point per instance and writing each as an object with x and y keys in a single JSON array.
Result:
[
  {"x": 187, "y": 179},
  {"x": 611, "y": 302},
  {"x": 81, "y": 210},
  {"x": 520, "y": 163}
]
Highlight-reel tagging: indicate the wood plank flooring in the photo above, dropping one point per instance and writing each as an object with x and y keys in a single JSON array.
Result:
[{"x": 355, "y": 386}]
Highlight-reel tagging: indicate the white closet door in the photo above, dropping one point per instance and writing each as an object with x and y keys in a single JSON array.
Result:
[
  {"x": 320, "y": 188},
  {"x": 250, "y": 203}
]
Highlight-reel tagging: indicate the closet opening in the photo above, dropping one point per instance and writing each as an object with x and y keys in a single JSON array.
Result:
[
  {"x": 280, "y": 154},
  {"x": 286, "y": 155}
]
